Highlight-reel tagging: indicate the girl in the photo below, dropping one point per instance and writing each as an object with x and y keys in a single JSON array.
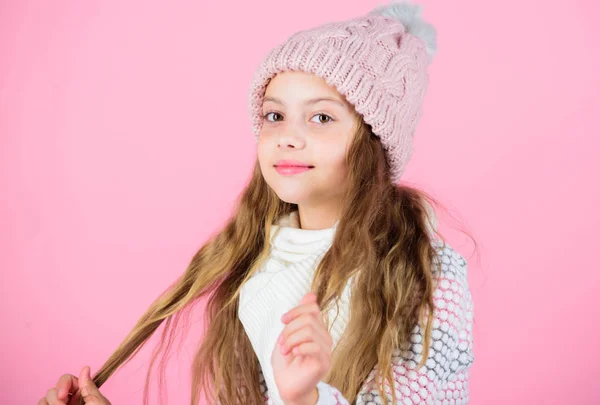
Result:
[{"x": 328, "y": 285}]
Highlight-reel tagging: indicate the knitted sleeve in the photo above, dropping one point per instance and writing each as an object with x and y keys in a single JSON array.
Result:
[{"x": 445, "y": 375}]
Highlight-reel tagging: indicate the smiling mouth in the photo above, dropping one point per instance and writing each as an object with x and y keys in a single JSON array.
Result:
[
  {"x": 287, "y": 170},
  {"x": 285, "y": 166}
]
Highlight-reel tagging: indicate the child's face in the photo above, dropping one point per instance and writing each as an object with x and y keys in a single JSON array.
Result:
[{"x": 317, "y": 134}]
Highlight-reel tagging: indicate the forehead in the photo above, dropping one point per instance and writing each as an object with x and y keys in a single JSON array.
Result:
[{"x": 299, "y": 86}]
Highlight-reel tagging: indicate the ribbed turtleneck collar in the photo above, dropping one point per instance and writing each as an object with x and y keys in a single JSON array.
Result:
[{"x": 292, "y": 243}]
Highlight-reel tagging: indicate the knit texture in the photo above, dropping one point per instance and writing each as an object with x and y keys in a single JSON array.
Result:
[
  {"x": 285, "y": 277},
  {"x": 279, "y": 285},
  {"x": 373, "y": 61}
]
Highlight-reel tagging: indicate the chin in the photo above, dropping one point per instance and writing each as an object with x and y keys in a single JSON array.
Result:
[{"x": 290, "y": 194}]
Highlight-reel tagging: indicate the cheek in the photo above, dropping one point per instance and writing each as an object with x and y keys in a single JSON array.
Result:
[
  {"x": 335, "y": 164},
  {"x": 262, "y": 151}
]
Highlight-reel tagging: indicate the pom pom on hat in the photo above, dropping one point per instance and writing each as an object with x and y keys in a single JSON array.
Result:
[{"x": 409, "y": 14}]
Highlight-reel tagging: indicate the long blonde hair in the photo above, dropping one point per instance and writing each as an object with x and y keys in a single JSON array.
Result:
[{"x": 384, "y": 229}]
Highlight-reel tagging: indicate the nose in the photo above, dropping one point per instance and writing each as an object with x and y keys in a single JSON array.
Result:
[{"x": 290, "y": 138}]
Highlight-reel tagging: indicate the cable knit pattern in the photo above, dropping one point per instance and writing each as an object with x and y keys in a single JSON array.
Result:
[
  {"x": 285, "y": 278},
  {"x": 374, "y": 61}
]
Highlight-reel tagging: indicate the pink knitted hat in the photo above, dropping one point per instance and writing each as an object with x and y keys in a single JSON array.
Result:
[{"x": 378, "y": 62}]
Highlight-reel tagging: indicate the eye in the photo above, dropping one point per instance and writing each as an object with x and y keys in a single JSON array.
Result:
[
  {"x": 267, "y": 114},
  {"x": 327, "y": 120},
  {"x": 323, "y": 115}
]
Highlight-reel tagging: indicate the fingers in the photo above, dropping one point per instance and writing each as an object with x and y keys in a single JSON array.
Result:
[
  {"x": 75, "y": 399},
  {"x": 52, "y": 398},
  {"x": 315, "y": 350},
  {"x": 67, "y": 384},
  {"x": 89, "y": 391},
  {"x": 63, "y": 393},
  {"x": 304, "y": 328},
  {"x": 296, "y": 318},
  {"x": 309, "y": 297},
  {"x": 308, "y": 304},
  {"x": 305, "y": 332},
  {"x": 307, "y": 349}
]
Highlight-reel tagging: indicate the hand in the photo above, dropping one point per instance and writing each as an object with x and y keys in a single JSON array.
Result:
[
  {"x": 69, "y": 389},
  {"x": 302, "y": 356}
]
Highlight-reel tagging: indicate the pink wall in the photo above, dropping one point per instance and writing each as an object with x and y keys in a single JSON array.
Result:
[{"x": 124, "y": 140}]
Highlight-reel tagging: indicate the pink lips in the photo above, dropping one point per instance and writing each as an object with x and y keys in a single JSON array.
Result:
[{"x": 291, "y": 167}]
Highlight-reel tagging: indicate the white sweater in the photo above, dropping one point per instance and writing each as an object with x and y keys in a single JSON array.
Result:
[{"x": 285, "y": 277}]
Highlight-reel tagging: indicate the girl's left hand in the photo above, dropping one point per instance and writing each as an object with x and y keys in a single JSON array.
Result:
[{"x": 302, "y": 356}]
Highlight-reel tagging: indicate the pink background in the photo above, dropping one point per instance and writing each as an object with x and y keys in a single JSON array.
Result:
[{"x": 124, "y": 141}]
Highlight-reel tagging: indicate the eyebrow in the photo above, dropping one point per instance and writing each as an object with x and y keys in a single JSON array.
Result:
[{"x": 309, "y": 101}]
